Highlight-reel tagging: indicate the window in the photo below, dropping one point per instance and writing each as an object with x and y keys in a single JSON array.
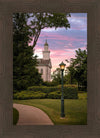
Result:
[{"x": 41, "y": 71}]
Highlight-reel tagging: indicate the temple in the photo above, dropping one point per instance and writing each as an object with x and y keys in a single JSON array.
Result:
[{"x": 44, "y": 64}]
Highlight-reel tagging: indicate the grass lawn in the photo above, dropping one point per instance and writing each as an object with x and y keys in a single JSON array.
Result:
[
  {"x": 75, "y": 110},
  {"x": 15, "y": 116}
]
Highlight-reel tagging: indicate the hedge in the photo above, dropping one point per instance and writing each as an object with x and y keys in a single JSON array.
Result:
[
  {"x": 54, "y": 95},
  {"x": 41, "y": 92},
  {"x": 23, "y": 95},
  {"x": 70, "y": 93},
  {"x": 43, "y": 89}
]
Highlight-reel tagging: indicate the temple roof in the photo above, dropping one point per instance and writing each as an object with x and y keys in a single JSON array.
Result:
[
  {"x": 46, "y": 44},
  {"x": 44, "y": 62}
]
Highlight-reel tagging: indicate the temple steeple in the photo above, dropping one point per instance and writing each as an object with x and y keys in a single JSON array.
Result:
[
  {"x": 44, "y": 64},
  {"x": 46, "y": 52}
]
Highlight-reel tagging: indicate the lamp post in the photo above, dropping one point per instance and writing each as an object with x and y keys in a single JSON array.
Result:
[{"x": 62, "y": 67}]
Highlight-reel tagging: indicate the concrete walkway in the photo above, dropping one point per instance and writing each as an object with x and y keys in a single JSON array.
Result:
[{"x": 29, "y": 115}]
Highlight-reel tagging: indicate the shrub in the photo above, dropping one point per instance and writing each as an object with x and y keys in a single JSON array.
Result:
[
  {"x": 23, "y": 95},
  {"x": 82, "y": 88},
  {"x": 48, "y": 84},
  {"x": 69, "y": 85},
  {"x": 40, "y": 92},
  {"x": 43, "y": 89},
  {"x": 54, "y": 95},
  {"x": 70, "y": 93}
]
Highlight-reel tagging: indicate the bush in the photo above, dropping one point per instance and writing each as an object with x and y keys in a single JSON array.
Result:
[
  {"x": 48, "y": 84},
  {"x": 54, "y": 95},
  {"x": 40, "y": 92},
  {"x": 70, "y": 93},
  {"x": 70, "y": 85},
  {"x": 82, "y": 88},
  {"x": 43, "y": 89},
  {"x": 23, "y": 95}
]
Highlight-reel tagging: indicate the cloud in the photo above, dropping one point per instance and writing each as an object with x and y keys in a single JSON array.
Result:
[
  {"x": 49, "y": 29},
  {"x": 62, "y": 42},
  {"x": 78, "y": 21},
  {"x": 38, "y": 52},
  {"x": 59, "y": 37},
  {"x": 57, "y": 56}
]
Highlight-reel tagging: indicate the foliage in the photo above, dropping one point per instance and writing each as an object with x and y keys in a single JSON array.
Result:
[
  {"x": 82, "y": 95},
  {"x": 69, "y": 78},
  {"x": 70, "y": 85},
  {"x": 29, "y": 95},
  {"x": 39, "y": 21},
  {"x": 56, "y": 76},
  {"x": 15, "y": 116},
  {"x": 78, "y": 67},
  {"x": 44, "y": 89},
  {"x": 48, "y": 84},
  {"x": 42, "y": 92},
  {"x": 70, "y": 93},
  {"x": 54, "y": 95},
  {"x": 24, "y": 72}
]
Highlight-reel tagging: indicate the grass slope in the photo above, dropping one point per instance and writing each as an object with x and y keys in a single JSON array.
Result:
[{"x": 75, "y": 110}]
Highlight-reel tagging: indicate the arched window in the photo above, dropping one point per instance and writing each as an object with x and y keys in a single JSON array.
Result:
[{"x": 41, "y": 71}]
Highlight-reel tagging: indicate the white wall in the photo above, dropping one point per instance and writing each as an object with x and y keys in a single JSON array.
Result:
[
  {"x": 46, "y": 72},
  {"x": 46, "y": 55}
]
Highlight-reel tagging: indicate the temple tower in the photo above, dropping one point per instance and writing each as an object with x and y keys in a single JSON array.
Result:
[{"x": 46, "y": 52}]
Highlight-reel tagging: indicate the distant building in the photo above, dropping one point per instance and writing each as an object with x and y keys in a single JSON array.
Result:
[{"x": 44, "y": 64}]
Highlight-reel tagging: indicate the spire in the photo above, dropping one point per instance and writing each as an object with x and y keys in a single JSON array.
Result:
[
  {"x": 46, "y": 44},
  {"x": 46, "y": 52}
]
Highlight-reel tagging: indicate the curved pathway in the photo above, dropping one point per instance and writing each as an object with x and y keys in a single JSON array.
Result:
[{"x": 29, "y": 115}]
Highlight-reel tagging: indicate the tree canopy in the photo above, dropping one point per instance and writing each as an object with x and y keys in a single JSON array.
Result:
[
  {"x": 56, "y": 76},
  {"x": 24, "y": 72},
  {"x": 78, "y": 67},
  {"x": 76, "y": 71},
  {"x": 39, "y": 21}
]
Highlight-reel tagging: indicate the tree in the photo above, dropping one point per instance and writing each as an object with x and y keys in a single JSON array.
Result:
[
  {"x": 78, "y": 67},
  {"x": 24, "y": 72},
  {"x": 39, "y": 21},
  {"x": 56, "y": 76},
  {"x": 70, "y": 76}
]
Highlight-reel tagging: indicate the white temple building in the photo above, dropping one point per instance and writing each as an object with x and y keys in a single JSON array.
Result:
[{"x": 44, "y": 64}]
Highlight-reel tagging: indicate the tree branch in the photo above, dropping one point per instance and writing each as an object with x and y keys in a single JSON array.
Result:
[{"x": 36, "y": 38}]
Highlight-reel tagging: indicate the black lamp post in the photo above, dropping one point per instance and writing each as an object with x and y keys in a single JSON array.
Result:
[{"x": 62, "y": 67}]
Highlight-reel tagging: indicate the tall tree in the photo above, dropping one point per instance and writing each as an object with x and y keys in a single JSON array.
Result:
[
  {"x": 78, "y": 67},
  {"x": 24, "y": 72},
  {"x": 56, "y": 76}
]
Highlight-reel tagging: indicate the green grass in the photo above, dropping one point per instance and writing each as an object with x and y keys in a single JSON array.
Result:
[
  {"x": 82, "y": 95},
  {"x": 75, "y": 109},
  {"x": 15, "y": 116}
]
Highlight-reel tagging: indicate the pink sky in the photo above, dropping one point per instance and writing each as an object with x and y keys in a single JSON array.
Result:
[{"x": 63, "y": 43}]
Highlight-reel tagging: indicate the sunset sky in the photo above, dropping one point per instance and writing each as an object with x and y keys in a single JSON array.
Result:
[{"x": 63, "y": 43}]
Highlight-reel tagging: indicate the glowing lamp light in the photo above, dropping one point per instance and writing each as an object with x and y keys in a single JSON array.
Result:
[{"x": 62, "y": 66}]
